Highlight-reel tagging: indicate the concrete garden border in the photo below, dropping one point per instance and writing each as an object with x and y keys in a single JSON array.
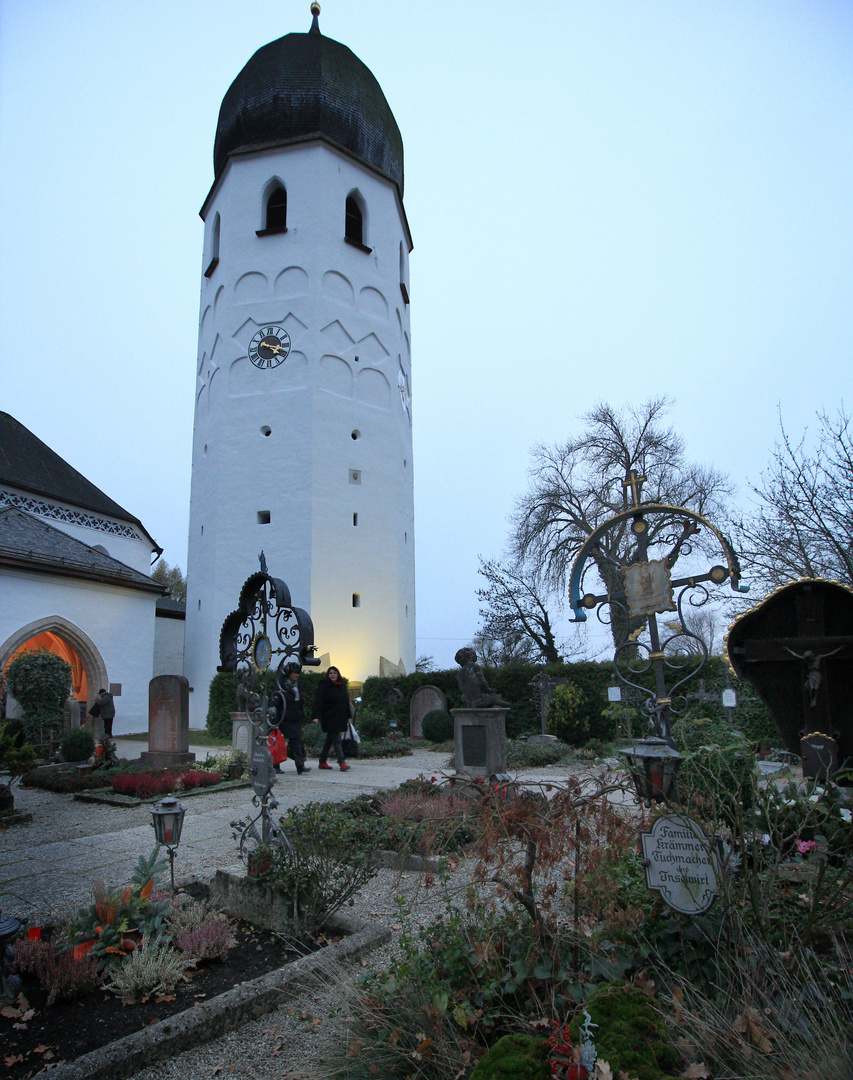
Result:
[{"x": 207, "y": 1020}]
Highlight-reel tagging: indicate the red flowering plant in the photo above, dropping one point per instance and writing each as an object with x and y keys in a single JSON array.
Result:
[{"x": 564, "y": 1058}]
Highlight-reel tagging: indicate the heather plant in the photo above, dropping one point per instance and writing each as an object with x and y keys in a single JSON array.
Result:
[
  {"x": 142, "y": 785},
  {"x": 210, "y": 940},
  {"x": 155, "y": 969},
  {"x": 194, "y": 778},
  {"x": 62, "y": 974}
]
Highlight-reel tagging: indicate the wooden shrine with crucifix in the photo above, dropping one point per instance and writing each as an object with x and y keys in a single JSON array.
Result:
[{"x": 796, "y": 649}]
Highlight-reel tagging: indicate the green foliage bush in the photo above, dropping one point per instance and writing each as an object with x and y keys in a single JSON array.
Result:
[
  {"x": 515, "y": 1057},
  {"x": 222, "y": 702},
  {"x": 716, "y": 774},
  {"x": 437, "y": 726},
  {"x": 78, "y": 745},
  {"x": 527, "y": 755},
  {"x": 15, "y": 755},
  {"x": 40, "y": 681},
  {"x": 323, "y": 867},
  {"x": 631, "y": 1035},
  {"x": 567, "y": 717},
  {"x": 372, "y": 725}
]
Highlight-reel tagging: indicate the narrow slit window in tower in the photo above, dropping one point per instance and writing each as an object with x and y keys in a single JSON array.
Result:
[
  {"x": 355, "y": 519},
  {"x": 263, "y": 517},
  {"x": 356, "y": 600}
]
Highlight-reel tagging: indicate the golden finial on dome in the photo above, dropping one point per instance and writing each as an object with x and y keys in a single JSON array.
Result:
[
  {"x": 315, "y": 25},
  {"x": 315, "y": 8}
]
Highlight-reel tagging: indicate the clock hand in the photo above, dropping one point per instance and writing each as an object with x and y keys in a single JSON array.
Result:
[{"x": 272, "y": 348}]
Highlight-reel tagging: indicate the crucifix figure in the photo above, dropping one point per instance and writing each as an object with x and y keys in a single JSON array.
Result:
[{"x": 813, "y": 680}]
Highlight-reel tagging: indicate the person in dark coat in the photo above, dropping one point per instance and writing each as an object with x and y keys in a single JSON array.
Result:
[
  {"x": 332, "y": 709},
  {"x": 291, "y": 725},
  {"x": 107, "y": 711}
]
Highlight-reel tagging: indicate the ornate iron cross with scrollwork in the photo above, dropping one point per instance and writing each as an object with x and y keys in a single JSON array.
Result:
[
  {"x": 258, "y": 642},
  {"x": 657, "y": 537}
]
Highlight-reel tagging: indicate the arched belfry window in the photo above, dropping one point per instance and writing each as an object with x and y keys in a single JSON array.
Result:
[
  {"x": 214, "y": 247},
  {"x": 354, "y": 225},
  {"x": 275, "y": 212}
]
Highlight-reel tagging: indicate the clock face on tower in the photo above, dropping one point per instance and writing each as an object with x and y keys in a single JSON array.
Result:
[{"x": 269, "y": 347}]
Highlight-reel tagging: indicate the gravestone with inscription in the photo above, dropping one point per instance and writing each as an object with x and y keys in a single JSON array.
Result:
[
  {"x": 796, "y": 649},
  {"x": 241, "y": 732},
  {"x": 168, "y": 721},
  {"x": 820, "y": 757},
  {"x": 679, "y": 864},
  {"x": 424, "y": 700}
]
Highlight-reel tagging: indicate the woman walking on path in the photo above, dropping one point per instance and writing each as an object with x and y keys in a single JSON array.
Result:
[{"x": 332, "y": 709}]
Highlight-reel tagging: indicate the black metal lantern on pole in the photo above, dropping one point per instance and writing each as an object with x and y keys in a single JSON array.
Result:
[
  {"x": 653, "y": 764},
  {"x": 167, "y": 820}
]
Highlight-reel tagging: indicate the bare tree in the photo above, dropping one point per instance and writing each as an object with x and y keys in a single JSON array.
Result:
[
  {"x": 803, "y": 522},
  {"x": 577, "y": 485},
  {"x": 425, "y": 663},
  {"x": 517, "y": 626}
]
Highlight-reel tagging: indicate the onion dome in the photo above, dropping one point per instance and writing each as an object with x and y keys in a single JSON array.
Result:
[{"x": 306, "y": 86}]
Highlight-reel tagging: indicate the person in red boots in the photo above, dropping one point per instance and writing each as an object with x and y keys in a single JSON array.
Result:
[{"x": 332, "y": 710}]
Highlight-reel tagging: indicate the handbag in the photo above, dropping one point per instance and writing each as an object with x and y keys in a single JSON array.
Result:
[{"x": 350, "y": 741}]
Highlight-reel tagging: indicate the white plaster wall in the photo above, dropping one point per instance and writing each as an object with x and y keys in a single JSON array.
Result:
[
  {"x": 168, "y": 646},
  {"x": 119, "y": 621},
  {"x": 350, "y": 349}
]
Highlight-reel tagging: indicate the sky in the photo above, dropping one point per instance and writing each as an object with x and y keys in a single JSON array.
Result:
[{"x": 608, "y": 201}]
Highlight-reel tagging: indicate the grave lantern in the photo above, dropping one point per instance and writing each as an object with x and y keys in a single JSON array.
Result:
[
  {"x": 167, "y": 819},
  {"x": 654, "y": 765}
]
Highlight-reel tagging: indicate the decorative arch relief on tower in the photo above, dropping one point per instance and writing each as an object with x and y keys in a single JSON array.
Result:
[
  {"x": 292, "y": 281},
  {"x": 218, "y": 301},
  {"x": 337, "y": 339},
  {"x": 372, "y": 351},
  {"x": 372, "y": 389},
  {"x": 337, "y": 287},
  {"x": 335, "y": 376},
  {"x": 373, "y": 303},
  {"x": 251, "y": 287}
]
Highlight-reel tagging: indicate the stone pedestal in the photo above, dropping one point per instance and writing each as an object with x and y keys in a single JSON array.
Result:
[
  {"x": 241, "y": 732},
  {"x": 168, "y": 722},
  {"x": 480, "y": 737}
]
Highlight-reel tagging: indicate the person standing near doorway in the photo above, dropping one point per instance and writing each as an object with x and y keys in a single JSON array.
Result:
[{"x": 107, "y": 711}]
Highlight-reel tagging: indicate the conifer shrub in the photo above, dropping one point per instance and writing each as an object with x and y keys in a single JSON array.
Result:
[
  {"x": 438, "y": 726},
  {"x": 372, "y": 725},
  {"x": 78, "y": 745},
  {"x": 567, "y": 718}
]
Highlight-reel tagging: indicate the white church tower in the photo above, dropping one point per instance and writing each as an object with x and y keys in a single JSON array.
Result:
[{"x": 302, "y": 444}]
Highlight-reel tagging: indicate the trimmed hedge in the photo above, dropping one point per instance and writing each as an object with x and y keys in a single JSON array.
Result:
[
  {"x": 591, "y": 679},
  {"x": 223, "y": 699}
]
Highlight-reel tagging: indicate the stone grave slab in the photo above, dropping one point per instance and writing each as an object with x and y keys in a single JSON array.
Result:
[
  {"x": 424, "y": 700},
  {"x": 168, "y": 721}
]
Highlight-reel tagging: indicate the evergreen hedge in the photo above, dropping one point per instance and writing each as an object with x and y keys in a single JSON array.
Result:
[
  {"x": 223, "y": 699},
  {"x": 591, "y": 678}
]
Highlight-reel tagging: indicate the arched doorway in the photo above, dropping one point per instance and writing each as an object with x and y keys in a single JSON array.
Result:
[{"x": 62, "y": 637}]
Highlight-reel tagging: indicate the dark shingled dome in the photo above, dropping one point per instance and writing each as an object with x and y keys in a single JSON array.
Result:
[{"x": 304, "y": 85}]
